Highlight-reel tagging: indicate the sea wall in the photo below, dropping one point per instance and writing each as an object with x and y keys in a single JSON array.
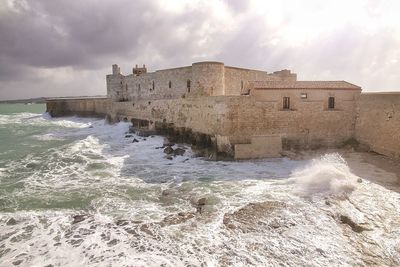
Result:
[
  {"x": 237, "y": 119},
  {"x": 378, "y": 122},
  {"x": 86, "y": 107}
]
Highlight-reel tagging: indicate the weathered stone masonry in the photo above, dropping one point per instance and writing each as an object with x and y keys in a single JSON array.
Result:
[{"x": 245, "y": 113}]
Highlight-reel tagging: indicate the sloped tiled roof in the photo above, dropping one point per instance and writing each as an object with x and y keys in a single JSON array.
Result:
[{"x": 304, "y": 85}]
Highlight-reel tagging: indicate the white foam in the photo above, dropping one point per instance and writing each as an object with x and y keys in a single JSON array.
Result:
[{"x": 327, "y": 175}]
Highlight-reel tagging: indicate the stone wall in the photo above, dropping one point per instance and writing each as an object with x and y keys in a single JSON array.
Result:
[
  {"x": 90, "y": 107},
  {"x": 378, "y": 122},
  {"x": 200, "y": 79},
  {"x": 237, "y": 79},
  {"x": 236, "y": 119}
]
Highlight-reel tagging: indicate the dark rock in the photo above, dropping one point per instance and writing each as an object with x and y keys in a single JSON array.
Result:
[
  {"x": 91, "y": 126},
  {"x": 359, "y": 180},
  {"x": 200, "y": 204},
  {"x": 135, "y": 140},
  {"x": 122, "y": 222},
  {"x": 132, "y": 129},
  {"x": 11, "y": 221},
  {"x": 179, "y": 218},
  {"x": 202, "y": 201},
  {"x": 78, "y": 218},
  {"x": 17, "y": 262},
  {"x": 128, "y": 136},
  {"x": 144, "y": 139},
  {"x": 179, "y": 151},
  {"x": 169, "y": 157},
  {"x": 159, "y": 147},
  {"x": 168, "y": 150},
  {"x": 354, "y": 226},
  {"x": 168, "y": 143}
]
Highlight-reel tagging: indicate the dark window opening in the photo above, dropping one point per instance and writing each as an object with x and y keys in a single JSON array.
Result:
[
  {"x": 286, "y": 103},
  {"x": 138, "y": 86},
  {"x": 170, "y": 84},
  {"x": 331, "y": 102},
  {"x": 188, "y": 85},
  {"x": 154, "y": 86},
  {"x": 241, "y": 85}
]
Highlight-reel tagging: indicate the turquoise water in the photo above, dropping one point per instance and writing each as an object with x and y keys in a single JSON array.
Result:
[{"x": 138, "y": 208}]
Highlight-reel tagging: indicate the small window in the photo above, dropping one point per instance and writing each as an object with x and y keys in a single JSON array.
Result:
[
  {"x": 303, "y": 95},
  {"x": 331, "y": 102},
  {"x": 138, "y": 86},
  {"x": 153, "y": 86},
  {"x": 286, "y": 103},
  {"x": 241, "y": 85},
  {"x": 188, "y": 86},
  {"x": 170, "y": 84}
]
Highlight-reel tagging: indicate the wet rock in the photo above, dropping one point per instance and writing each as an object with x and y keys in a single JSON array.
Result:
[
  {"x": 248, "y": 217},
  {"x": 169, "y": 157},
  {"x": 167, "y": 143},
  {"x": 122, "y": 222},
  {"x": 128, "y": 135},
  {"x": 353, "y": 225},
  {"x": 78, "y": 218},
  {"x": 168, "y": 150},
  {"x": 11, "y": 221},
  {"x": 200, "y": 204},
  {"x": 132, "y": 129},
  {"x": 113, "y": 242},
  {"x": 179, "y": 218},
  {"x": 135, "y": 140},
  {"x": 17, "y": 262},
  {"x": 145, "y": 132},
  {"x": 91, "y": 126},
  {"x": 359, "y": 180},
  {"x": 179, "y": 151}
]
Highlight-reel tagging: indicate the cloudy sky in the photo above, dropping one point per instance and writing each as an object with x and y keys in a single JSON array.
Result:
[{"x": 65, "y": 48}]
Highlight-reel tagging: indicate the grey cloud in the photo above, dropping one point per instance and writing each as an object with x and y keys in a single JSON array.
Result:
[{"x": 91, "y": 35}]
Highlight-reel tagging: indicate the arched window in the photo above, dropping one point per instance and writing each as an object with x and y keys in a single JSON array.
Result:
[
  {"x": 188, "y": 86},
  {"x": 170, "y": 84}
]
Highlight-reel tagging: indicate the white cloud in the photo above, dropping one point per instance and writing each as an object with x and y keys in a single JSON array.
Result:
[{"x": 66, "y": 47}]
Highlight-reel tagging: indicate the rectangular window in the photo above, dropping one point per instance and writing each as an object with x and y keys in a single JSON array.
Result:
[
  {"x": 331, "y": 102},
  {"x": 303, "y": 95},
  {"x": 286, "y": 103}
]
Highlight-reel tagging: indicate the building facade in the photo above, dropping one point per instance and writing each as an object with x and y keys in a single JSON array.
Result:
[{"x": 240, "y": 109}]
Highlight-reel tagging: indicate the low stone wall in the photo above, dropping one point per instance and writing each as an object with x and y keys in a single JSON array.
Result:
[
  {"x": 378, "y": 122},
  {"x": 87, "y": 107}
]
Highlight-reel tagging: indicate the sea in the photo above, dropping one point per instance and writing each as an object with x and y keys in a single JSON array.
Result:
[{"x": 81, "y": 192}]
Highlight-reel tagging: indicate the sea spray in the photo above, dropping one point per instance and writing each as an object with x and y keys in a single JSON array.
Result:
[{"x": 328, "y": 175}]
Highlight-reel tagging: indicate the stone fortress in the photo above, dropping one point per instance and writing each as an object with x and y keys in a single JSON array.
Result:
[{"x": 242, "y": 113}]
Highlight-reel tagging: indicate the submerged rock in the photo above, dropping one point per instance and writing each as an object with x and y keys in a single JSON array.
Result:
[
  {"x": 168, "y": 150},
  {"x": 179, "y": 218},
  {"x": 353, "y": 225},
  {"x": 135, "y": 140},
  {"x": 200, "y": 204},
  {"x": 179, "y": 151},
  {"x": 78, "y": 218},
  {"x": 11, "y": 221}
]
